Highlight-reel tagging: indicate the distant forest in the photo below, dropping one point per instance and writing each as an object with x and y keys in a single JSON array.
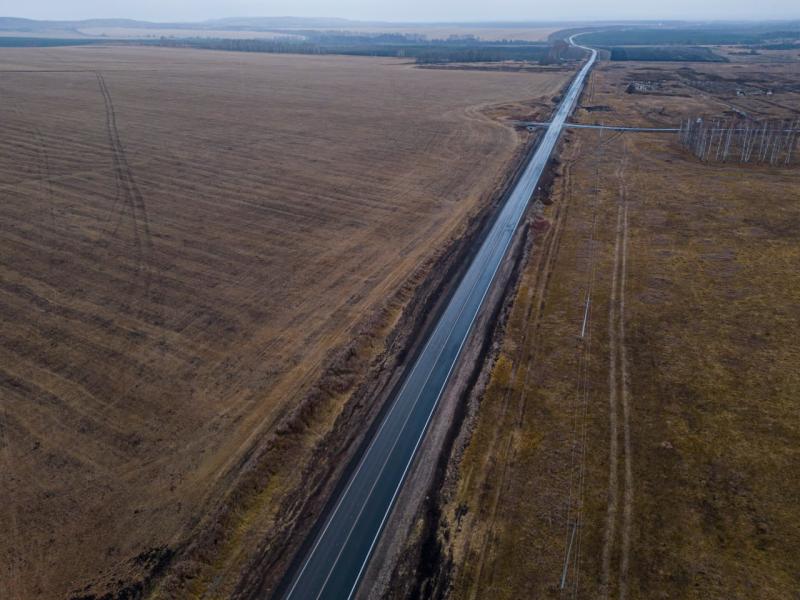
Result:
[
  {"x": 689, "y": 36},
  {"x": 666, "y": 53},
  {"x": 28, "y": 42},
  {"x": 412, "y": 46},
  {"x": 419, "y": 48}
]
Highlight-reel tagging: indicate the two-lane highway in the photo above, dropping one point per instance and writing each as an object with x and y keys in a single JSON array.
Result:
[{"x": 334, "y": 565}]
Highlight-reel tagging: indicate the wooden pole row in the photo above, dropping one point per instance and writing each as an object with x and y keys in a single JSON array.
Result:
[{"x": 745, "y": 140}]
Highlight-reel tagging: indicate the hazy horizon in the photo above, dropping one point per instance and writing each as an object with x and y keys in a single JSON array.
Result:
[{"x": 410, "y": 11}]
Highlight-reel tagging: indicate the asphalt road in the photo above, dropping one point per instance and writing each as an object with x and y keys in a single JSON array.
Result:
[{"x": 333, "y": 567}]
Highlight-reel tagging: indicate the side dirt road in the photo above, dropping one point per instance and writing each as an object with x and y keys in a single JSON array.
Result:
[{"x": 635, "y": 432}]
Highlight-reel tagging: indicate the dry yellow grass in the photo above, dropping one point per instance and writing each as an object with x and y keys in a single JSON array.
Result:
[
  {"x": 190, "y": 240},
  {"x": 656, "y": 457}
]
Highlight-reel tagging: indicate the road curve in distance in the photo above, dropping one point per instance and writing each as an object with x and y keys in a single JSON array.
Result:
[{"x": 333, "y": 566}]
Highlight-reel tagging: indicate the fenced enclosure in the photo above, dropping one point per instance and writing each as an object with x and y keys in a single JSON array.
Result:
[{"x": 742, "y": 140}]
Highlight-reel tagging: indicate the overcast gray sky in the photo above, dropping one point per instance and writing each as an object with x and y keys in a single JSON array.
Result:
[{"x": 405, "y": 10}]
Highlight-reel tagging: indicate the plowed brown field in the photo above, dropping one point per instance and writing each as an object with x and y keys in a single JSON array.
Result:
[{"x": 188, "y": 239}]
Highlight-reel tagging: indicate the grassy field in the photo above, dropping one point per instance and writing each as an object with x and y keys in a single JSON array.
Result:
[
  {"x": 195, "y": 246},
  {"x": 644, "y": 444}
]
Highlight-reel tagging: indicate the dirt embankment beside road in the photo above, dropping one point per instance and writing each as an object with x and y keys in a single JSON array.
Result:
[{"x": 334, "y": 457}]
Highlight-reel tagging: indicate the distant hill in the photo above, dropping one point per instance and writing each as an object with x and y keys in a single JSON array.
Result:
[
  {"x": 237, "y": 24},
  {"x": 33, "y": 26},
  {"x": 232, "y": 24},
  {"x": 280, "y": 23}
]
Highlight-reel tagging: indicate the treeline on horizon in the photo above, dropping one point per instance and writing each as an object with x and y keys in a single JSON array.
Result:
[
  {"x": 34, "y": 42},
  {"x": 665, "y": 53},
  {"x": 422, "y": 50},
  {"x": 455, "y": 48},
  {"x": 691, "y": 36}
]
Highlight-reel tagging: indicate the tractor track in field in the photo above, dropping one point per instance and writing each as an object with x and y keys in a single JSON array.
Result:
[
  {"x": 13, "y": 584},
  {"x": 619, "y": 414},
  {"x": 45, "y": 171},
  {"x": 44, "y": 177},
  {"x": 609, "y": 534},
  {"x": 573, "y": 534},
  {"x": 44, "y": 174},
  {"x": 127, "y": 190},
  {"x": 627, "y": 506}
]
